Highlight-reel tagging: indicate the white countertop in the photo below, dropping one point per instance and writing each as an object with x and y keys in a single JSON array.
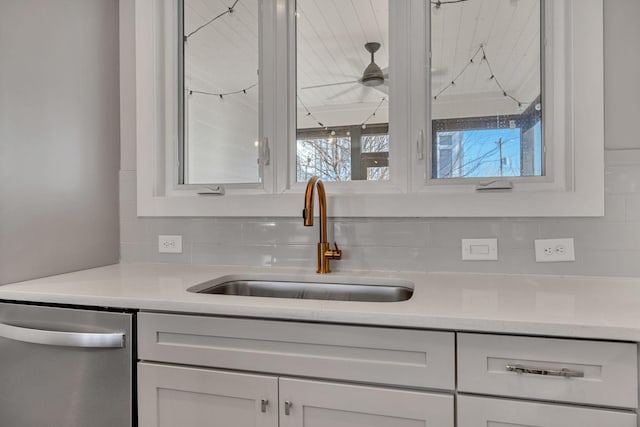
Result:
[{"x": 567, "y": 306}]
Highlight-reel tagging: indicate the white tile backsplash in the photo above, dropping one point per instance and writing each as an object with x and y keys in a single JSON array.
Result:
[{"x": 604, "y": 246}]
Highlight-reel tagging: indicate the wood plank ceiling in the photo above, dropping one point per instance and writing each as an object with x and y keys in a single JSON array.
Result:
[{"x": 330, "y": 49}]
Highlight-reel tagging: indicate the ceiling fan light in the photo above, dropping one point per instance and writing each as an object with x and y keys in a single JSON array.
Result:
[{"x": 373, "y": 81}]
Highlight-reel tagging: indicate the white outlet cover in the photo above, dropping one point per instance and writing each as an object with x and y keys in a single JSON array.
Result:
[
  {"x": 555, "y": 250},
  {"x": 479, "y": 249},
  {"x": 169, "y": 244}
]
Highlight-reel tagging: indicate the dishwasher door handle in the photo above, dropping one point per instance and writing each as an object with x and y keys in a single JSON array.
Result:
[{"x": 62, "y": 339}]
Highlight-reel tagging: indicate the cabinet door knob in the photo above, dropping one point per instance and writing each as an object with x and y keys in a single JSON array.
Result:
[
  {"x": 263, "y": 405},
  {"x": 287, "y": 407}
]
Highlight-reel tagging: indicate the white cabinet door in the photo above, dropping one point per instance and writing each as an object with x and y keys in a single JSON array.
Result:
[
  {"x": 170, "y": 396},
  {"x": 488, "y": 412},
  {"x": 319, "y": 404}
]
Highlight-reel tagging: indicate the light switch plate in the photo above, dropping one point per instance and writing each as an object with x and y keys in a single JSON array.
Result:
[
  {"x": 169, "y": 244},
  {"x": 479, "y": 249}
]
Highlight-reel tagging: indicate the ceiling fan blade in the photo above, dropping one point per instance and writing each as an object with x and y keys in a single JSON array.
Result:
[
  {"x": 330, "y": 84},
  {"x": 384, "y": 88},
  {"x": 364, "y": 91},
  {"x": 345, "y": 91},
  {"x": 385, "y": 72}
]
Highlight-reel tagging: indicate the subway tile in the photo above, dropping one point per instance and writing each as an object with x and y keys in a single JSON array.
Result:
[
  {"x": 382, "y": 258},
  {"x": 132, "y": 232},
  {"x": 382, "y": 232},
  {"x": 216, "y": 231},
  {"x": 596, "y": 263},
  {"x": 622, "y": 179},
  {"x": 148, "y": 252},
  {"x": 595, "y": 234},
  {"x": 626, "y": 157},
  {"x": 281, "y": 231},
  {"x": 615, "y": 207},
  {"x": 633, "y": 207},
  {"x": 448, "y": 233},
  {"x": 134, "y": 252},
  {"x": 450, "y": 259},
  {"x": 604, "y": 246},
  {"x": 297, "y": 256},
  {"x": 213, "y": 254}
]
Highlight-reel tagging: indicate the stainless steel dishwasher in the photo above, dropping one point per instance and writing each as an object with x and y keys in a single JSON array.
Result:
[{"x": 63, "y": 367}]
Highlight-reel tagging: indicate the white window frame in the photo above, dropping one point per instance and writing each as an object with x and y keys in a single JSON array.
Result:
[{"x": 574, "y": 115}]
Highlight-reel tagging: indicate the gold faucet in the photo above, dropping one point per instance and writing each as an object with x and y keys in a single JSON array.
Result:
[{"x": 325, "y": 253}]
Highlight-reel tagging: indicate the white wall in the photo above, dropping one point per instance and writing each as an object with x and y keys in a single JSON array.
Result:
[
  {"x": 59, "y": 144},
  {"x": 604, "y": 246},
  {"x": 622, "y": 73}
]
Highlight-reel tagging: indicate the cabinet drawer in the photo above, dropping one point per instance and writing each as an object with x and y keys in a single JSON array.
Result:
[
  {"x": 356, "y": 353},
  {"x": 488, "y": 412},
  {"x": 489, "y": 364}
]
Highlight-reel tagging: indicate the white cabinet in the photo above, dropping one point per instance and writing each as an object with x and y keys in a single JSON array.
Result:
[
  {"x": 194, "y": 397},
  {"x": 305, "y": 403},
  {"x": 487, "y": 412},
  {"x": 327, "y": 375},
  {"x": 402, "y": 357},
  {"x": 376, "y": 358},
  {"x": 170, "y": 396},
  {"x": 546, "y": 371},
  {"x": 562, "y": 370}
]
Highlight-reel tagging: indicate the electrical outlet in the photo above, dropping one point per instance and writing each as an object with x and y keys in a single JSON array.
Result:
[
  {"x": 170, "y": 244},
  {"x": 554, "y": 250}
]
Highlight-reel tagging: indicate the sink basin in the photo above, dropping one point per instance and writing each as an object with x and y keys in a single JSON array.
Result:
[{"x": 307, "y": 290}]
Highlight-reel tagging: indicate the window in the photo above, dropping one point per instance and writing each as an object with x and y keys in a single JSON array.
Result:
[
  {"x": 502, "y": 146},
  {"x": 220, "y": 109},
  {"x": 342, "y": 92},
  {"x": 486, "y": 83},
  {"x": 451, "y": 108},
  {"x": 343, "y": 153}
]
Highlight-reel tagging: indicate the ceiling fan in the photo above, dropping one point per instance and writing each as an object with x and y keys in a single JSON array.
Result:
[{"x": 373, "y": 75}]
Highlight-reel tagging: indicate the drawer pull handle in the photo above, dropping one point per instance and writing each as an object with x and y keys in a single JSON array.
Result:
[
  {"x": 263, "y": 405},
  {"x": 287, "y": 407},
  {"x": 564, "y": 372}
]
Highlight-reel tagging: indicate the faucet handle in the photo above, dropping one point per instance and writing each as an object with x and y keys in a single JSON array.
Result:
[{"x": 334, "y": 253}]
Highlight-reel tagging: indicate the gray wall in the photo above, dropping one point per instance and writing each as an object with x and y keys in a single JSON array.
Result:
[
  {"x": 604, "y": 246},
  {"x": 59, "y": 136}
]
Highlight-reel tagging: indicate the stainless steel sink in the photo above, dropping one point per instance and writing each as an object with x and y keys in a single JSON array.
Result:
[{"x": 309, "y": 290}]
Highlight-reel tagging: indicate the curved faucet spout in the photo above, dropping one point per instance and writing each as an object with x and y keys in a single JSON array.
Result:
[{"x": 325, "y": 253}]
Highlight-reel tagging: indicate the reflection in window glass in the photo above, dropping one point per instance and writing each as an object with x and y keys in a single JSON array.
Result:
[
  {"x": 486, "y": 89},
  {"x": 342, "y": 60},
  {"x": 220, "y": 86},
  {"x": 345, "y": 154},
  {"x": 328, "y": 158}
]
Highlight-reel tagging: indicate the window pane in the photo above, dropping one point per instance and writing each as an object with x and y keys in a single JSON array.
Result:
[
  {"x": 486, "y": 89},
  {"x": 220, "y": 107},
  {"x": 342, "y": 88},
  {"x": 327, "y": 158}
]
